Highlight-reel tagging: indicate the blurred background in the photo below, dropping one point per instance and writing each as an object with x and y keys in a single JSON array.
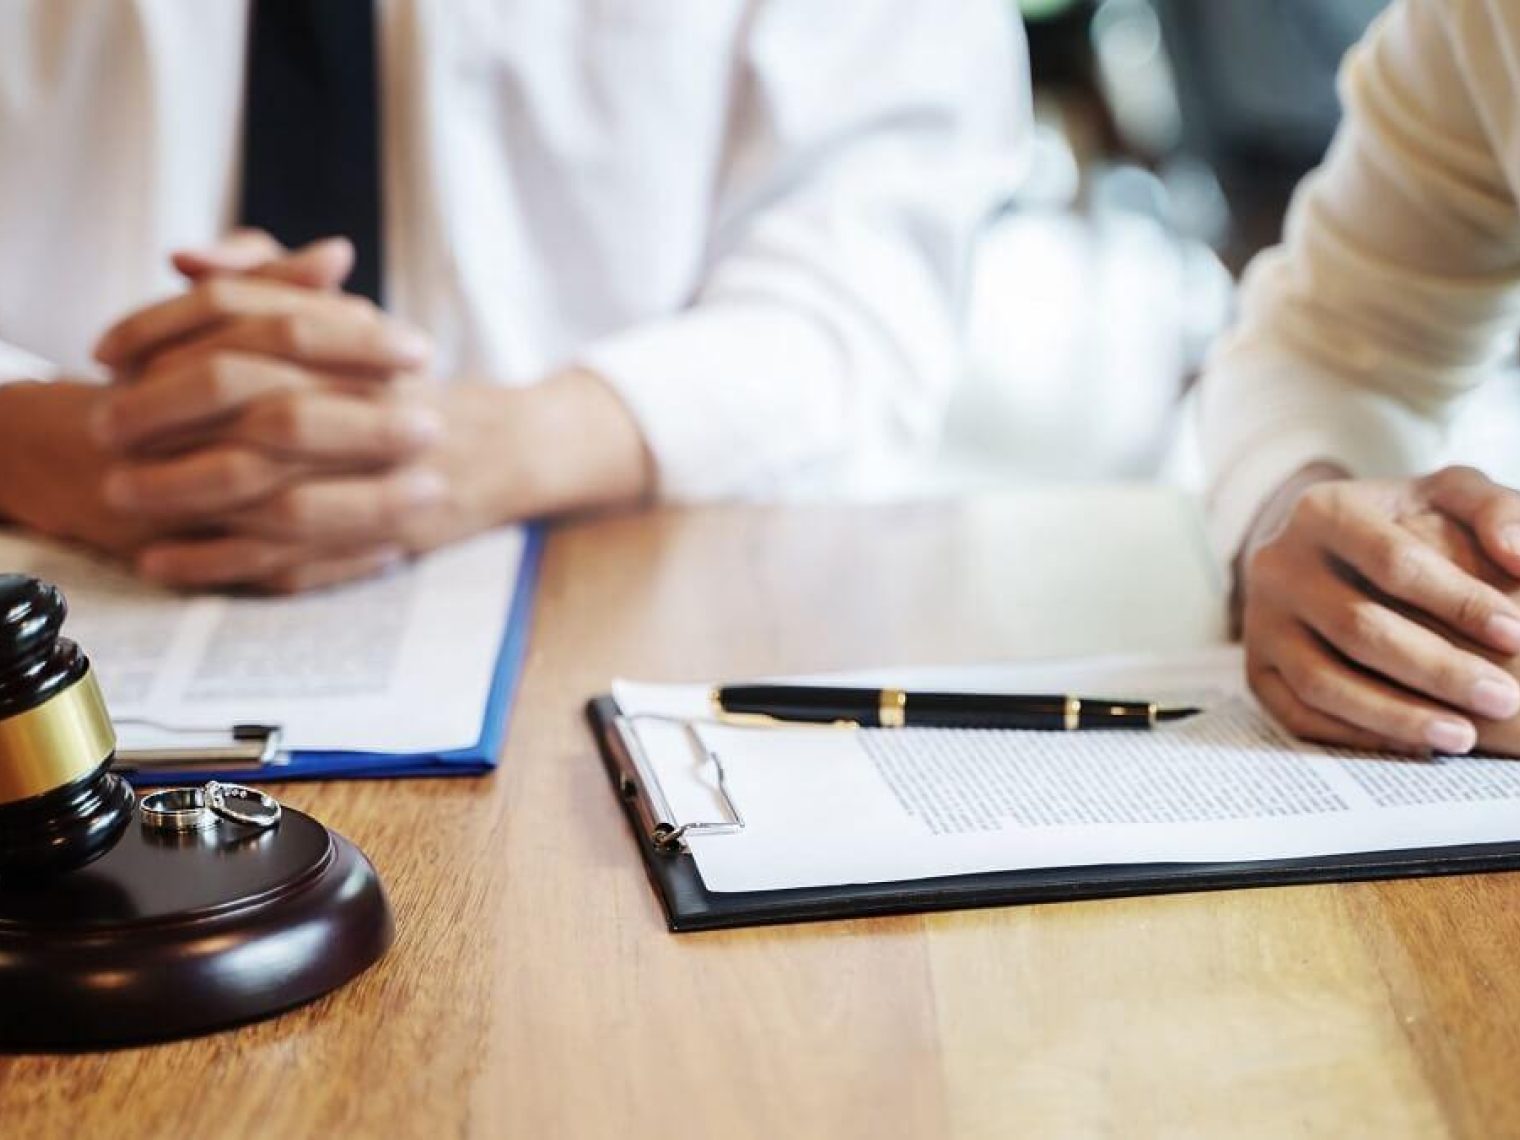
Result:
[{"x": 1171, "y": 135}]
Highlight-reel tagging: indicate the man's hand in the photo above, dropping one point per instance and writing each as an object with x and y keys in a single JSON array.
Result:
[
  {"x": 258, "y": 378},
  {"x": 283, "y": 436},
  {"x": 1366, "y": 619},
  {"x": 502, "y": 455},
  {"x": 247, "y": 252},
  {"x": 52, "y": 469},
  {"x": 262, "y": 334}
]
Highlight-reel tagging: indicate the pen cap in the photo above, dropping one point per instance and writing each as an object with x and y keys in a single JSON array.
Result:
[{"x": 60, "y": 805}]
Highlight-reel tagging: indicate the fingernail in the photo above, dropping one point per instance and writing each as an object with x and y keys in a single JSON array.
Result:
[
  {"x": 424, "y": 426},
  {"x": 120, "y": 490},
  {"x": 1496, "y": 698},
  {"x": 387, "y": 558},
  {"x": 1504, "y": 632},
  {"x": 1509, "y": 538},
  {"x": 424, "y": 487},
  {"x": 1453, "y": 736},
  {"x": 411, "y": 343}
]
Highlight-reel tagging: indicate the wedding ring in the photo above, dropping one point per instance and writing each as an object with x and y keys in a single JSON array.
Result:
[
  {"x": 176, "y": 809},
  {"x": 247, "y": 806}
]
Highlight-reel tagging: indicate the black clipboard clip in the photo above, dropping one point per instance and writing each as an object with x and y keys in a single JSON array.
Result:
[
  {"x": 639, "y": 785},
  {"x": 240, "y": 748}
]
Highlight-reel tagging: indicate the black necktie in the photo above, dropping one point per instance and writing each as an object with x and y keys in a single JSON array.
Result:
[{"x": 311, "y": 128}]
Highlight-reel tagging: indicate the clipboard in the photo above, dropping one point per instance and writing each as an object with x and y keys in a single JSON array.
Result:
[
  {"x": 689, "y": 906},
  {"x": 251, "y": 753}
]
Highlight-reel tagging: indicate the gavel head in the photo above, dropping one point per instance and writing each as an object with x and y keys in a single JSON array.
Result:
[{"x": 60, "y": 805}]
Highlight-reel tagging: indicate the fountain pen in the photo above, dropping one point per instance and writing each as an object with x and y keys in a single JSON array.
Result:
[{"x": 895, "y": 708}]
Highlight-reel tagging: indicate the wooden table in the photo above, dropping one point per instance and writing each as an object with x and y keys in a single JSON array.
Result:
[{"x": 533, "y": 989}]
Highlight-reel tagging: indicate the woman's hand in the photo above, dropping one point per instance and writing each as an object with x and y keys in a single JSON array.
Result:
[{"x": 1367, "y": 621}]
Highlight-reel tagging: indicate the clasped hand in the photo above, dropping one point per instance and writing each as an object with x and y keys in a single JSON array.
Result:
[
  {"x": 1383, "y": 614},
  {"x": 266, "y": 429}
]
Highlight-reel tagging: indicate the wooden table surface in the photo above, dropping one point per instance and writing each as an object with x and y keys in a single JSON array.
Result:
[{"x": 533, "y": 989}]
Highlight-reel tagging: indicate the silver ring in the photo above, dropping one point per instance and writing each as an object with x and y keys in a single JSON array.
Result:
[
  {"x": 230, "y": 802},
  {"x": 176, "y": 809}
]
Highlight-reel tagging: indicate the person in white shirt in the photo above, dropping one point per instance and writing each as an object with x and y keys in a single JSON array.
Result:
[
  {"x": 1376, "y": 595},
  {"x": 625, "y": 248}
]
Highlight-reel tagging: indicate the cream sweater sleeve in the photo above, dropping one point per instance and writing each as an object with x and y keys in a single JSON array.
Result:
[{"x": 1396, "y": 290}]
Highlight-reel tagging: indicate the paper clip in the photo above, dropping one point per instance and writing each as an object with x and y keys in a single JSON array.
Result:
[{"x": 639, "y": 784}]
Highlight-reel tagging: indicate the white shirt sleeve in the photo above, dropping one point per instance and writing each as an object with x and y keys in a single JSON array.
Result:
[
  {"x": 18, "y": 364},
  {"x": 868, "y": 143},
  {"x": 1396, "y": 290}
]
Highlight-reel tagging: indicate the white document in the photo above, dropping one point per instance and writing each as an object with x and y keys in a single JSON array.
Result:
[
  {"x": 400, "y": 664},
  {"x": 829, "y": 806}
]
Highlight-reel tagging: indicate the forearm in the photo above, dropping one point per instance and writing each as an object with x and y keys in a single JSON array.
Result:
[
  {"x": 20, "y": 476},
  {"x": 52, "y": 469},
  {"x": 22, "y": 382},
  {"x": 1392, "y": 295}
]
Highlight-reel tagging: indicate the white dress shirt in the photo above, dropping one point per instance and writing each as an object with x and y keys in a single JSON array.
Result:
[
  {"x": 750, "y": 216},
  {"x": 1396, "y": 292}
]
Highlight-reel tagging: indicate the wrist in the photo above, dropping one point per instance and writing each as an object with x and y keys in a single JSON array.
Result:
[
  {"x": 1269, "y": 522},
  {"x": 1275, "y": 512},
  {"x": 16, "y": 399},
  {"x": 576, "y": 446}
]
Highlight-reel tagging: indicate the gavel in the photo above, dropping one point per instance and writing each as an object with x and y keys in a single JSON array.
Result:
[{"x": 60, "y": 804}]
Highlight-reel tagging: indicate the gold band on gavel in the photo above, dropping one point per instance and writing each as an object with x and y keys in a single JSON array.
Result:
[{"x": 64, "y": 738}]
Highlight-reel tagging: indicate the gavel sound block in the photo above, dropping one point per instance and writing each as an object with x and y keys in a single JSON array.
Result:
[{"x": 114, "y": 933}]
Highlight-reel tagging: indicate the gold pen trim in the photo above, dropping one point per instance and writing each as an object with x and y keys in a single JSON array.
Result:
[
  {"x": 892, "y": 709},
  {"x": 1073, "y": 714},
  {"x": 762, "y": 720},
  {"x": 62, "y": 740}
]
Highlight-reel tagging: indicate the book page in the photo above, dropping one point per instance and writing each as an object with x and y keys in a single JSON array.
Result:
[
  {"x": 829, "y": 807},
  {"x": 402, "y": 663}
]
